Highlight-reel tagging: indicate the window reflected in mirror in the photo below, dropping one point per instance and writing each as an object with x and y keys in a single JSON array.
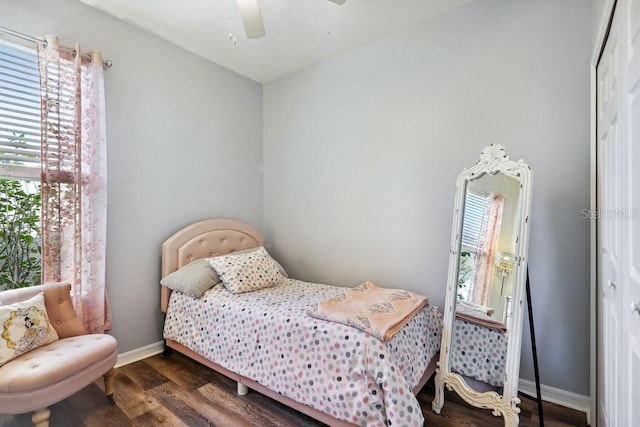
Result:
[{"x": 487, "y": 244}]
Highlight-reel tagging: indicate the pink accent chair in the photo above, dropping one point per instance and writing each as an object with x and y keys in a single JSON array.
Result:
[{"x": 48, "y": 374}]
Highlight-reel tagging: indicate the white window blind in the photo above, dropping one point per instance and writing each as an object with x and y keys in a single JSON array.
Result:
[
  {"x": 474, "y": 209},
  {"x": 19, "y": 112}
]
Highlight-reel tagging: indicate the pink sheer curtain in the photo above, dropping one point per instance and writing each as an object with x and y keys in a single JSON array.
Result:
[
  {"x": 74, "y": 178},
  {"x": 486, "y": 250}
]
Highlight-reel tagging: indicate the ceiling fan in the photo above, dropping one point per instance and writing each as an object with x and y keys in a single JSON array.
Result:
[{"x": 252, "y": 19}]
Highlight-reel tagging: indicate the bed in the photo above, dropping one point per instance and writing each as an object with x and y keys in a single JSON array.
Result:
[
  {"x": 479, "y": 346},
  {"x": 478, "y": 352},
  {"x": 264, "y": 340}
]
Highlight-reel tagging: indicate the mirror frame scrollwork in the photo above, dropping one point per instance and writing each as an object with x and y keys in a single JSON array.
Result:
[{"x": 493, "y": 160}]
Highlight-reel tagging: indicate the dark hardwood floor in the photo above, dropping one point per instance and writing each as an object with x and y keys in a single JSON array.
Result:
[{"x": 176, "y": 391}]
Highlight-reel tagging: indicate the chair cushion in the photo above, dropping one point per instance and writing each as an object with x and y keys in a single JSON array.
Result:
[
  {"x": 57, "y": 299},
  {"x": 62, "y": 315},
  {"x": 56, "y": 362}
]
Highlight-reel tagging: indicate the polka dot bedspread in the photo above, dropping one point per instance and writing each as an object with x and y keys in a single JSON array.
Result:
[
  {"x": 267, "y": 336},
  {"x": 479, "y": 352}
]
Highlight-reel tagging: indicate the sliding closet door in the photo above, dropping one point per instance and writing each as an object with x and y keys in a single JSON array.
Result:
[
  {"x": 618, "y": 224},
  {"x": 630, "y": 363},
  {"x": 609, "y": 178}
]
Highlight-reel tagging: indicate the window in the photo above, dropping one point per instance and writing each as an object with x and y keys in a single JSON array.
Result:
[
  {"x": 20, "y": 199},
  {"x": 52, "y": 126},
  {"x": 474, "y": 210},
  {"x": 19, "y": 112}
]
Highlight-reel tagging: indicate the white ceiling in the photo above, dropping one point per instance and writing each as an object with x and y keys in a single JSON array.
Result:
[{"x": 298, "y": 32}]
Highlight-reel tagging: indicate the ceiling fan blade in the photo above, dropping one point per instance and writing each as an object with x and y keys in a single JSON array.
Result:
[
  {"x": 251, "y": 18},
  {"x": 338, "y": 1}
]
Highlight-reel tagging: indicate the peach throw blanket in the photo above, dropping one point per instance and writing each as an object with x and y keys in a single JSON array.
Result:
[
  {"x": 485, "y": 321},
  {"x": 380, "y": 312}
]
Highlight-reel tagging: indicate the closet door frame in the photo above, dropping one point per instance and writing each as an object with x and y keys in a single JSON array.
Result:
[{"x": 602, "y": 32}]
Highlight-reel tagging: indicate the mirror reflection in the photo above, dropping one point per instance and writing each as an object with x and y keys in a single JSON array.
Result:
[{"x": 485, "y": 279}]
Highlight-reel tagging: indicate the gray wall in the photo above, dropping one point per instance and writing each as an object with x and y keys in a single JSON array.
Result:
[
  {"x": 184, "y": 144},
  {"x": 361, "y": 153},
  {"x": 601, "y": 9}
]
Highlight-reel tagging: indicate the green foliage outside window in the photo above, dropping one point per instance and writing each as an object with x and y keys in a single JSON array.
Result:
[
  {"x": 20, "y": 241},
  {"x": 20, "y": 247},
  {"x": 466, "y": 271}
]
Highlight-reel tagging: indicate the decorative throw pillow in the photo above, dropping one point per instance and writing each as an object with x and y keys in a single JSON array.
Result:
[
  {"x": 246, "y": 251},
  {"x": 193, "y": 279},
  {"x": 25, "y": 326},
  {"x": 246, "y": 272}
]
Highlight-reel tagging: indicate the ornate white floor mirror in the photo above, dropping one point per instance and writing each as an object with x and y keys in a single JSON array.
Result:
[{"x": 483, "y": 312}]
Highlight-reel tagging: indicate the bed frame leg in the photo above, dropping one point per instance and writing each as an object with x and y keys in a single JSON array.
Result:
[
  {"x": 166, "y": 350},
  {"x": 242, "y": 389}
]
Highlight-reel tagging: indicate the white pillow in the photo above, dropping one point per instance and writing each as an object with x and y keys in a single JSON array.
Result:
[
  {"x": 247, "y": 271},
  {"x": 193, "y": 279},
  {"x": 25, "y": 326}
]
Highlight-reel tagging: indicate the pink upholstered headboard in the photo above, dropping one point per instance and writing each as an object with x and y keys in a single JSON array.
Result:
[{"x": 204, "y": 239}]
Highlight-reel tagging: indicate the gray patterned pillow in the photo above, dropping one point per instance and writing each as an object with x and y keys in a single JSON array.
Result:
[
  {"x": 246, "y": 272},
  {"x": 193, "y": 279}
]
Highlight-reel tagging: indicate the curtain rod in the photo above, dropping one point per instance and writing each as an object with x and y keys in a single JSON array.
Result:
[{"x": 106, "y": 63}]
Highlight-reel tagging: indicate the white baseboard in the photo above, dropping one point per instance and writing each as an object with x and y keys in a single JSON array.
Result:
[
  {"x": 549, "y": 394},
  {"x": 139, "y": 354},
  {"x": 555, "y": 395}
]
